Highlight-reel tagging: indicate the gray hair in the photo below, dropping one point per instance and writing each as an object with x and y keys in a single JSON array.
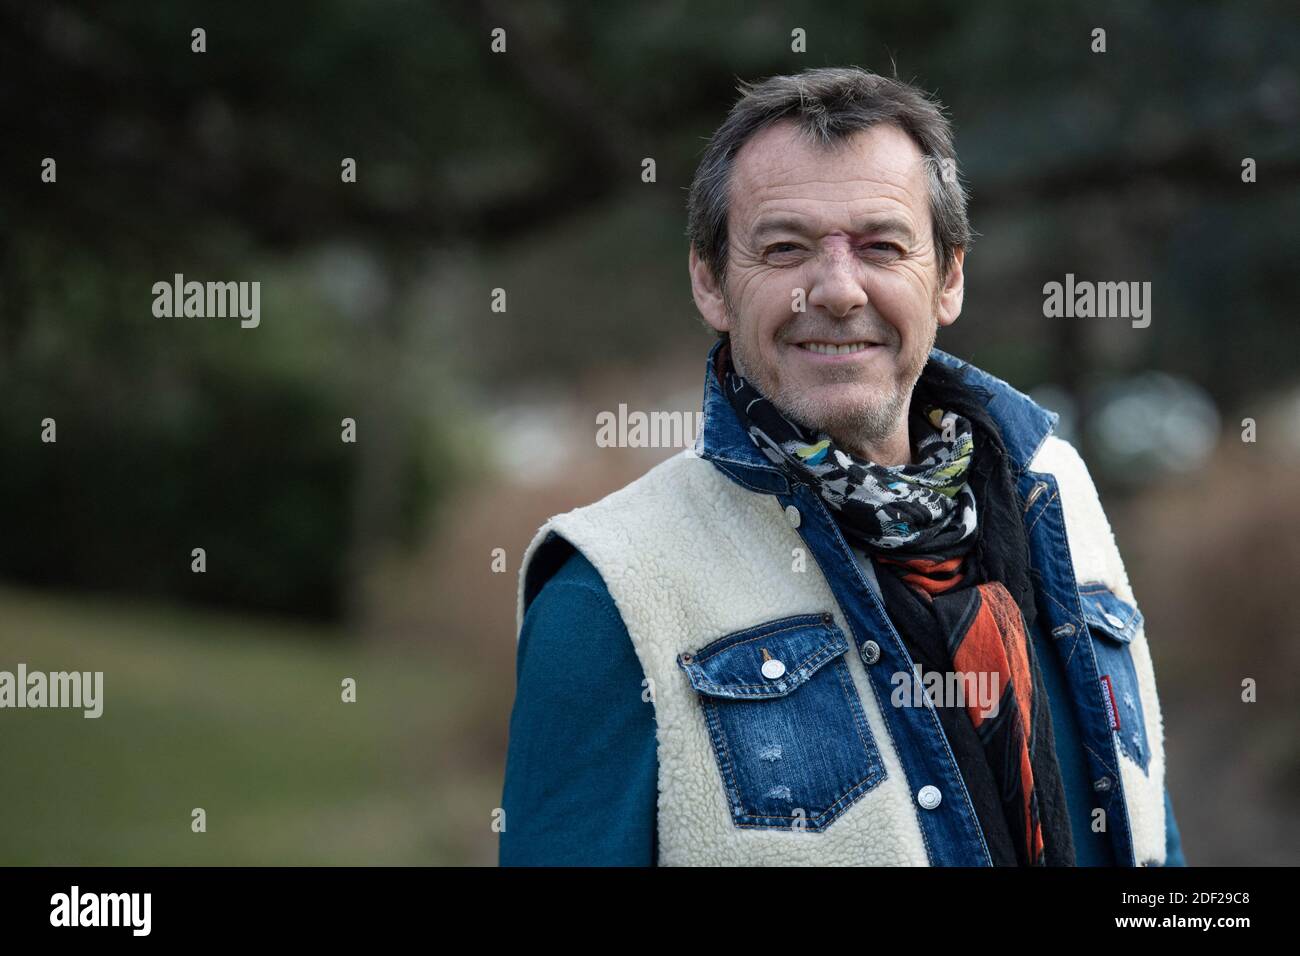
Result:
[{"x": 830, "y": 104}]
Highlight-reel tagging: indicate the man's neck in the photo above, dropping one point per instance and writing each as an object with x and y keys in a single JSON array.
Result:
[{"x": 896, "y": 449}]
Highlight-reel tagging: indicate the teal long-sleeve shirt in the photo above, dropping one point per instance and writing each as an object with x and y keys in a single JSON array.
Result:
[{"x": 581, "y": 768}]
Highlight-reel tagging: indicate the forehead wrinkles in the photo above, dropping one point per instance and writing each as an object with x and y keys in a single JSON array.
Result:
[{"x": 856, "y": 174}]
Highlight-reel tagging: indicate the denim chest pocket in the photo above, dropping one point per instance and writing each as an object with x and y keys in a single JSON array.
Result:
[
  {"x": 787, "y": 727},
  {"x": 1113, "y": 623}
]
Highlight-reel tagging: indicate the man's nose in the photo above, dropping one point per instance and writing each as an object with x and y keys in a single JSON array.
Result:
[{"x": 837, "y": 283}]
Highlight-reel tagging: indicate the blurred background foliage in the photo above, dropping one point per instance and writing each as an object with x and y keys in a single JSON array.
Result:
[{"x": 522, "y": 171}]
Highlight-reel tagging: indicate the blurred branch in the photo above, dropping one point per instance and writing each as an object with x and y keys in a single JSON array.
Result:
[
  {"x": 599, "y": 129},
  {"x": 283, "y": 205},
  {"x": 1192, "y": 164}
]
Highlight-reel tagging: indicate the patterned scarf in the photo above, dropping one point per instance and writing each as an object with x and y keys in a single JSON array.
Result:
[
  {"x": 927, "y": 507},
  {"x": 950, "y": 592}
]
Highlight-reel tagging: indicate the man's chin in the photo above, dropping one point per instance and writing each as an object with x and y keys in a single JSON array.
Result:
[
  {"x": 838, "y": 400},
  {"x": 836, "y": 408},
  {"x": 820, "y": 403}
]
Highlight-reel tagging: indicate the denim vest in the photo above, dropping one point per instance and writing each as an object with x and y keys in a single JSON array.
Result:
[{"x": 773, "y": 664}]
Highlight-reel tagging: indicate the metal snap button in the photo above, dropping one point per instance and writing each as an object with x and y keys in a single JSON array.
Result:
[
  {"x": 792, "y": 515},
  {"x": 929, "y": 797},
  {"x": 1113, "y": 620},
  {"x": 772, "y": 669},
  {"x": 1102, "y": 784},
  {"x": 870, "y": 652}
]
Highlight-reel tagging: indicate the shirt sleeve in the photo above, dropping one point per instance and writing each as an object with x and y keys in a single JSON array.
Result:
[
  {"x": 1173, "y": 839},
  {"x": 581, "y": 766}
]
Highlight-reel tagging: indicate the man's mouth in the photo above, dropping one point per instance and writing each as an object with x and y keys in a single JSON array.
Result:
[{"x": 833, "y": 348}]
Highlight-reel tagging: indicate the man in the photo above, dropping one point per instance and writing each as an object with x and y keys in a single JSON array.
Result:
[{"x": 876, "y": 616}]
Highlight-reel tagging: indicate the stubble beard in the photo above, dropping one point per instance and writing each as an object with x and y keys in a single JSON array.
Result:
[{"x": 865, "y": 424}]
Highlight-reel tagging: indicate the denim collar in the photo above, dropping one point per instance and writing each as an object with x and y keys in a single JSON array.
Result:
[{"x": 1024, "y": 425}]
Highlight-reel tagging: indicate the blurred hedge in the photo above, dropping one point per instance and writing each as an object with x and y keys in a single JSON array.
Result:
[{"x": 252, "y": 469}]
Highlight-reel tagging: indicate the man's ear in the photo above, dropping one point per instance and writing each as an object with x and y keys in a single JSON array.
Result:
[
  {"x": 707, "y": 293},
  {"x": 948, "y": 304}
]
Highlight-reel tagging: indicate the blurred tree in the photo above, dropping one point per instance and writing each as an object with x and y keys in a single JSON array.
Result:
[{"x": 522, "y": 170}]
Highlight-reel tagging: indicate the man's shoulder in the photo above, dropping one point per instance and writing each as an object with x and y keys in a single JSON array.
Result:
[
  {"x": 686, "y": 466},
  {"x": 573, "y": 590},
  {"x": 682, "y": 483},
  {"x": 576, "y": 574},
  {"x": 664, "y": 509},
  {"x": 1060, "y": 458},
  {"x": 1094, "y": 551},
  {"x": 1023, "y": 423}
]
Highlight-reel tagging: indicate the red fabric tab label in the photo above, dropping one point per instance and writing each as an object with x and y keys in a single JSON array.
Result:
[{"x": 1112, "y": 707}]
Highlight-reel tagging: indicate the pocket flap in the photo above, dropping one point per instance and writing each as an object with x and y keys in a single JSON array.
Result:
[
  {"x": 740, "y": 665},
  {"x": 1109, "y": 614}
]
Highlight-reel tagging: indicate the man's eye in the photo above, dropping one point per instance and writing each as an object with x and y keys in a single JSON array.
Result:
[
  {"x": 782, "y": 247},
  {"x": 885, "y": 246}
]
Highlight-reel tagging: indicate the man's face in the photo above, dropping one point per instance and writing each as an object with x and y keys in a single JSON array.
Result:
[{"x": 850, "y": 227}]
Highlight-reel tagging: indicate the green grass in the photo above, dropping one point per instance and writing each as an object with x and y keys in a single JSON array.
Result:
[{"x": 244, "y": 719}]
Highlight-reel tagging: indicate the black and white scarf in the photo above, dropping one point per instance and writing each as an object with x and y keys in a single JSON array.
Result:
[{"x": 926, "y": 508}]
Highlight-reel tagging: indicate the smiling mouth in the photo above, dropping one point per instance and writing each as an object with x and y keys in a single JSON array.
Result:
[{"x": 830, "y": 348}]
